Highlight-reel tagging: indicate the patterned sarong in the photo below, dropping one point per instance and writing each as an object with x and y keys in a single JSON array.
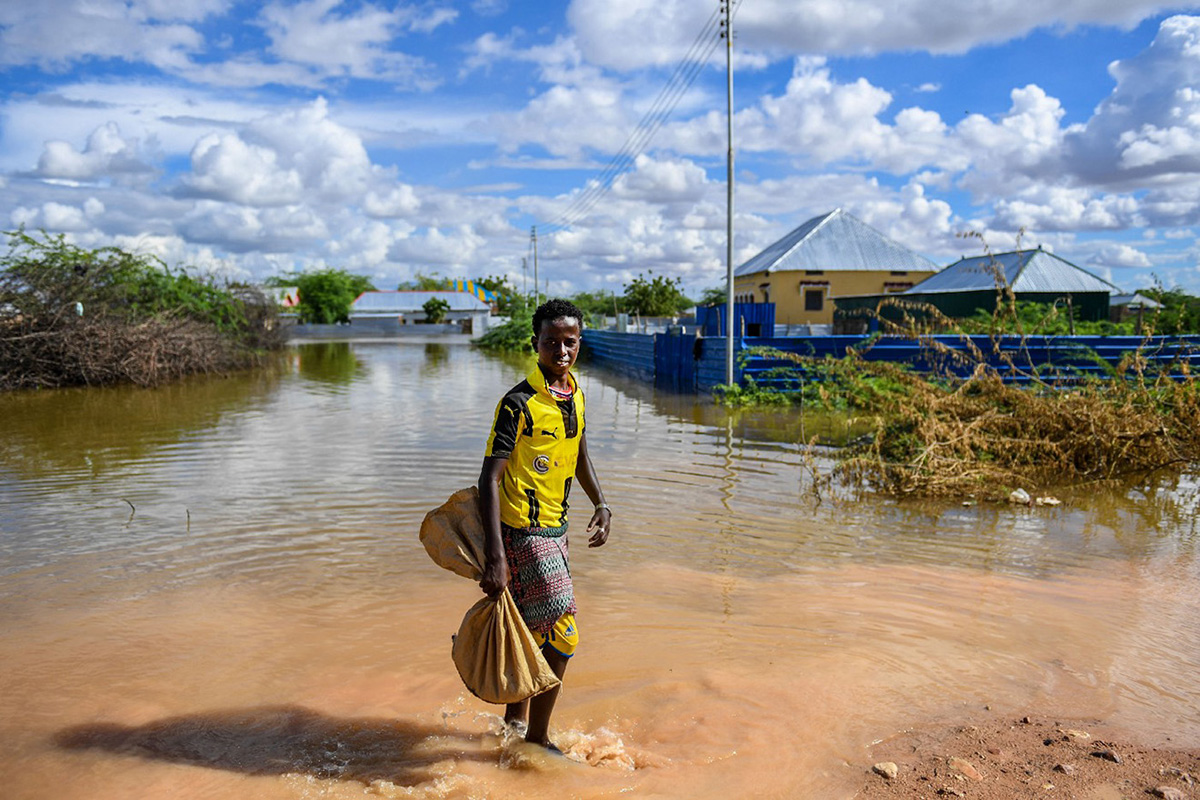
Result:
[{"x": 539, "y": 575}]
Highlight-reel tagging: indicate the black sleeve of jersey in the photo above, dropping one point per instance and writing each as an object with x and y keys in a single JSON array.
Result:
[{"x": 506, "y": 427}]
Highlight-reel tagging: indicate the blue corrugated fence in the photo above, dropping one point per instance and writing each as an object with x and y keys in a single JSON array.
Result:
[{"x": 683, "y": 363}]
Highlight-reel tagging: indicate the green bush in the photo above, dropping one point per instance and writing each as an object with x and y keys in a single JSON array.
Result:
[
  {"x": 1041, "y": 319},
  {"x": 832, "y": 384},
  {"x": 42, "y": 279},
  {"x": 435, "y": 309},
  {"x": 512, "y": 336},
  {"x": 654, "y": 297},
  {"x": 326, "y": 295}
]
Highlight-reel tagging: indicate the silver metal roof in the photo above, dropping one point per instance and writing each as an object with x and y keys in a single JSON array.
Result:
[
  {"x": 1023, "y": 270},
  {"x": 411, "y": 302},
  {"x": 1134, "y": 300},
  {"x": 834, "y": 242}
]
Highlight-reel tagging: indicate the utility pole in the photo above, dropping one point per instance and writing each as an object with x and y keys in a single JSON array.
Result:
[
  {"x": 525, "y": 276},
  {"x": 727, "y": 25},
  {"x": 533, "y": 236}
]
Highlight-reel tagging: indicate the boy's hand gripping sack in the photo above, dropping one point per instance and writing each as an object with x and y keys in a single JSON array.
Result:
[{"x": 495, "y": 653}]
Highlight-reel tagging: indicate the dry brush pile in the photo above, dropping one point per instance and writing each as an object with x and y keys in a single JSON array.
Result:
[
  {"x": 94, "y": 352},
  {"x": 983, "y": 437},
  {"x": 76, "y": 317}
]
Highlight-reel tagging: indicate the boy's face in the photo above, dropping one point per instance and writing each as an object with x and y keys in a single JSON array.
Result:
[{"x": 557, "y": 345}]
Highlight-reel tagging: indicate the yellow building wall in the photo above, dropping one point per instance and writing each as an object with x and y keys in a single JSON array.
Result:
[{"x": 787, "y": 290}]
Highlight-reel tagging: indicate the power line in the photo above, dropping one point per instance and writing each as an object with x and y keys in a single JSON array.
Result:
[
  {"x": 681, "y": 80},
  {"x": 685, "y": 74}
]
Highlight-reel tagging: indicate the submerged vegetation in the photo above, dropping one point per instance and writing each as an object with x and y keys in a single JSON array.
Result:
[
  {"x": 984, "y": 437},
  {"x": 980, "y": 437},
  {"x": 71, "y": 316},
  {"x": 513, "y": 335},
  {"x": 830, "y": 384}
]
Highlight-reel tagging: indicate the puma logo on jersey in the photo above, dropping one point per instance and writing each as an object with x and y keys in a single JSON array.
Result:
[{"x": 552, "y": 434}]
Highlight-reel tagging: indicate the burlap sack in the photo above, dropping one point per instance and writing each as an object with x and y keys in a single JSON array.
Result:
[
  {"x": 495, "y": 653},
  {"x": 453, "y": 534}
]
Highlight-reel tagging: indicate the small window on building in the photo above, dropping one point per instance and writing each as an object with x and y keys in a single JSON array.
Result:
[
  {"x": 814, "y": 299},
  {"x": 766, "y": 292},
  {"x": 814, "y": 272},
  {"x": 899, "y": 272}
]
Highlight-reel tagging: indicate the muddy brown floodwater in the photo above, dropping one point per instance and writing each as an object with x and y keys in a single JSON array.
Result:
[{"x": 215, "y": 590}]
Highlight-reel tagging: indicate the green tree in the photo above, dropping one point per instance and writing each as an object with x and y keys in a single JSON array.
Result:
[
  {"x": 435, "y": 309},
  {"x": 1179, "y": 314},
  {"x": 598, "y": 303},
  {"x": 48, "y": 276},
  {"x": 424, "y": 283},
  {"x": 327, "y": 294},
  {"x": 508, "y": 299},
  {"x": 713, "y": 296},
  {"x": 656, "y": 296},
  {"x": 496, "y": 285}
]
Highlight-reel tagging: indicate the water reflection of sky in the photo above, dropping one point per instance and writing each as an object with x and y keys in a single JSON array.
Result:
[{"x": 338, "y": 455}]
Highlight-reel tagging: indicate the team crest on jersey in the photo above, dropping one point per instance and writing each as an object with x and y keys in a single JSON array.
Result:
[{"x": 541, "y": 464}]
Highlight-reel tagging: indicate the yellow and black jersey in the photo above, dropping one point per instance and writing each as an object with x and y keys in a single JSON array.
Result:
[{"x": 539, "y": 435}]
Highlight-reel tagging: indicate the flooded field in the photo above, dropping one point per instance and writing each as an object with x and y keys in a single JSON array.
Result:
[{"x": 215, "y": 590}]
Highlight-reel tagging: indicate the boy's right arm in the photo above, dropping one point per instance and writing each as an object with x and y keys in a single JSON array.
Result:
[{"x": 495, "y": 571}]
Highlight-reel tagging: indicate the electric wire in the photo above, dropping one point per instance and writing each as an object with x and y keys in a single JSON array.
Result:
[
  {"x": 685, "y": 74},
  {"x": 682, "y": 79}
]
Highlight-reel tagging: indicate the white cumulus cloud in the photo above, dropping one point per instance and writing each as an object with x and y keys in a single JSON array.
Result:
[
  {"x": 281, "y": 159},
  {"x": 1147, "y": 131},
  {"x": 106, "y": 154},
  {"x": 324, "y": 35},
  {"x": 630, "y": 34}
]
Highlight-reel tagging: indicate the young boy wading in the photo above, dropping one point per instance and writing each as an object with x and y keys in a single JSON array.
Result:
[{"x": 536, "y": 450}]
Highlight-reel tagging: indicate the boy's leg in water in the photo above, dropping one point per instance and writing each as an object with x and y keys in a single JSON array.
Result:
[
  {"x": 542, "y": 706},
  {"x": 516, "y": 712}
]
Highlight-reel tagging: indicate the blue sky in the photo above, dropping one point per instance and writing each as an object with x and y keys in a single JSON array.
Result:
[{"x": 392, "y": 139}]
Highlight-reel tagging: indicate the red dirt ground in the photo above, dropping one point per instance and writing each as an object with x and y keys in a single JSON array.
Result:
[{"x": 1029, "y": 757}]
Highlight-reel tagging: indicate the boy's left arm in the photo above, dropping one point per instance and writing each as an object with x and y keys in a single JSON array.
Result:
[{"x": 600, "y": 524}]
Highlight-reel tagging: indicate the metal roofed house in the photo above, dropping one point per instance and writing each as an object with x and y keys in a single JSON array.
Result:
[
  {"x": 398, "y": 309},
  {"x": 1131, "y": 306},
  {"x": 970, "y": 284},
  {"x": 828, "y": 256}
]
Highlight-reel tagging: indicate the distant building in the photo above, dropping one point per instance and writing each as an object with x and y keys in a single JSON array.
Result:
[
  {"x": 1037, "y": 276},
  {"x": 827, "y": 257},
  {"x": 400, "y": 308},
  {"x": 1122, "y": 307}
]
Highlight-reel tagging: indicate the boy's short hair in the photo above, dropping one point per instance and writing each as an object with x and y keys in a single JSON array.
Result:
[{"x": 555, "y": 309}]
